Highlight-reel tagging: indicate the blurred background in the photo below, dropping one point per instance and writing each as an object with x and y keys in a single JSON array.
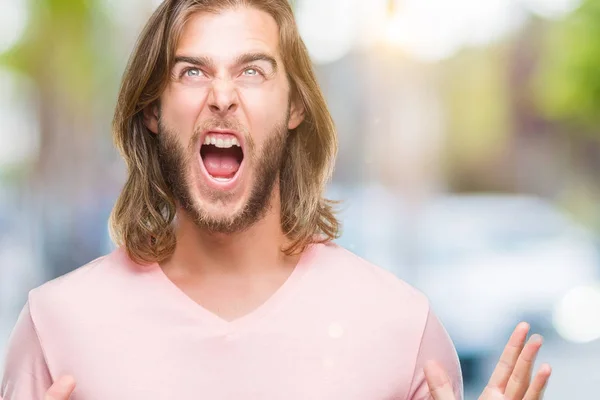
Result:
[{"x": 469, "y": 157}]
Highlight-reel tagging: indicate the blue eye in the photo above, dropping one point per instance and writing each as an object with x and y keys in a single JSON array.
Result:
[
  {"x": 251, "y": 71},
  {"x": 193, "y": 72}
]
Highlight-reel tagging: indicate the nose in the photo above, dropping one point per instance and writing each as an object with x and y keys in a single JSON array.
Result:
[{"x": 223, "y": 98}]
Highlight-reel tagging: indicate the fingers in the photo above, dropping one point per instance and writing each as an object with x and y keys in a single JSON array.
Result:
[
  {"x": 61, "y": 389},
  {"x": 438, "y": 382},
  {"x": 521, "y": 376},
  {"x": 536, "y": 390},
  {"x": 509, "y": 357}
]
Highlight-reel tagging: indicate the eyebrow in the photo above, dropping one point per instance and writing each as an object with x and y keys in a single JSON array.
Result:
[
  {"x": 246, "y": 58},
  {"x": 201, "y": 61},
  {"x": 252, "y": 57}
]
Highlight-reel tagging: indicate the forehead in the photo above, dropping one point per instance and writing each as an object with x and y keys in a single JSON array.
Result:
[{"x": 228, "y": 33}]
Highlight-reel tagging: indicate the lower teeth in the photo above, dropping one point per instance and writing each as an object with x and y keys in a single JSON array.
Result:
[{"x": 222, "y": 179}]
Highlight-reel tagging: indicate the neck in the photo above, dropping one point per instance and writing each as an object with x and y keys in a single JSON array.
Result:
[{"x": 252, "y": 251}]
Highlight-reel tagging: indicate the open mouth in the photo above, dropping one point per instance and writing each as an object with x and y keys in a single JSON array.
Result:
[{"x": 222, "y": 156}]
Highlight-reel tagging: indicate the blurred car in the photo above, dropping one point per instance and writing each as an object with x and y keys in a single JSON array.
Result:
[
  {"x": 489, "y": 261},
  {"x": 486, "y": 262}
]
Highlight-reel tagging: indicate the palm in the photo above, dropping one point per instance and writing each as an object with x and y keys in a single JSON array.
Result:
[
  {"x": 60, "y": 390},
  {"x": 511, "y": 380}
]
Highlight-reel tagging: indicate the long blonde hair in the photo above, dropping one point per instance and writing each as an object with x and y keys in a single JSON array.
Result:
[{"x": 142, "y": 217}]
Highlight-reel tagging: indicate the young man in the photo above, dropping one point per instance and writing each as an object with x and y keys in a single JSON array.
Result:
[{"x": 226, "y": 284}]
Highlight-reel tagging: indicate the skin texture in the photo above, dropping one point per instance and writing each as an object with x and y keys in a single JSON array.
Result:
[
  {"x": 249, "y": 97},
  {"x": 61, "y": 389},
  {"x": 229, "y": 75}
]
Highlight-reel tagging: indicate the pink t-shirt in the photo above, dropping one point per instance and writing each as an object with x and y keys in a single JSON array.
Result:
[{"x": 339, "y": 328}]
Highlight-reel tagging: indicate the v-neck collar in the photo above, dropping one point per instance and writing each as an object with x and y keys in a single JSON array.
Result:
[{"x": 224, "y": 326}]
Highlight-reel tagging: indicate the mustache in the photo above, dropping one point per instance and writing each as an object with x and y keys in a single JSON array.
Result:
[{"x": 221, "y": 123}]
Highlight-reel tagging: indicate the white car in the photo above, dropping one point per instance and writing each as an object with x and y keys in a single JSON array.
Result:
[
  {"x": 485, "y": 261},
  {"x": 490, "y": 261}
]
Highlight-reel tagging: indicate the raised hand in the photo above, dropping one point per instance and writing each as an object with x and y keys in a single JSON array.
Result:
[
  {"x": 61, "y": 389},
  {"x": 511, "y": 380}
]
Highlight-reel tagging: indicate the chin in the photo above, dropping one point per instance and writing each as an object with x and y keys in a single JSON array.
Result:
[
  {"x": 215, "y": 206},
  {"x": 226, "y": 217},
  {"x": 221, "y": 210}
]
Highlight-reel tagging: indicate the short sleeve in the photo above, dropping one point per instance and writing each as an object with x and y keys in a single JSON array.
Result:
[
  {"x": 26, "y": 374},
  {"x": 436, "y": 345}
]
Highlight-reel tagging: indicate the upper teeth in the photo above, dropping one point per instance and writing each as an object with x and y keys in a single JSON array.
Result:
[{"x": 220, "y": 142}]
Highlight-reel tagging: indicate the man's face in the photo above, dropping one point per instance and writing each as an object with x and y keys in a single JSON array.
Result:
[{"x": 224, "y": 118}]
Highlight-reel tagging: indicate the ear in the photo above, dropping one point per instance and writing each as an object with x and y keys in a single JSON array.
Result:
[
  {"x": 151, "y": 117},
  {"x": 296, "y": 114}
]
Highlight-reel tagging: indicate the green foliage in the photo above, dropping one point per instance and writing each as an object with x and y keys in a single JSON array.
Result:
[
  {"x": 568, "y": 84},
  {"x": 60, "y": 47},
  {"x": 476, "y": 92}
]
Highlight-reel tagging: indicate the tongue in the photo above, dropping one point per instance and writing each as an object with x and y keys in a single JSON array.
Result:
[{"x": 220, "y": 164}]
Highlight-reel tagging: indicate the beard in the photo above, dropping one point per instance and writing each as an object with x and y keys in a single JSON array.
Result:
[{"x": 176, "y": 161}]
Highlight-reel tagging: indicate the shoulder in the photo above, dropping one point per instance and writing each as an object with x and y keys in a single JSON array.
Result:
[
  {"x": 79, "y": 310},
  {"x": 368, "y": 287},
  {"x": 348, "y": 269},
  {"x": 83, "y": 290}
]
